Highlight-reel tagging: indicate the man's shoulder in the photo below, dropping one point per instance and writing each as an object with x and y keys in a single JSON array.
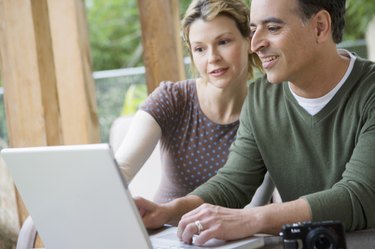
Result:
[
  {"x": 363, "y": 75},
  {"x": 364, "y": 66},
  {"x": 262, "y": 86}
]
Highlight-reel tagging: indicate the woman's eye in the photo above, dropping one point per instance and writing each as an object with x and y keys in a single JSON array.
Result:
[
  {"x": 224, "y": 42},
  {"x": 198, "y": 50}
]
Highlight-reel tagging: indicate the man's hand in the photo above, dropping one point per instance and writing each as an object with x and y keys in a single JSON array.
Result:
[{"x": 209, "y": 221}]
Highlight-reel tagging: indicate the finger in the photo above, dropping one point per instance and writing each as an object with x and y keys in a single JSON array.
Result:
[
  {"x": 198, "y": 214},
  {"x": 188, "y": 233},
  {"x": 204, "y": 236},
  {"x": 148, "y": 212},
  {"x": 188, "y": 222},
  {"x": 192, "y": 216},
  {"x": 142, "y": 205}
]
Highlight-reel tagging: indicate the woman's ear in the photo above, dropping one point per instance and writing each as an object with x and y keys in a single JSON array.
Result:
[{"x": 322, "y": 22}]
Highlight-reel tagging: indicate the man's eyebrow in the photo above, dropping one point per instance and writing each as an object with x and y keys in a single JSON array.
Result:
[{"x": 269, "y": 20}]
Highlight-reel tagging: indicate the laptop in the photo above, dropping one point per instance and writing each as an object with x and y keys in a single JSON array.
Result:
[{"x": 78, "y": 199}]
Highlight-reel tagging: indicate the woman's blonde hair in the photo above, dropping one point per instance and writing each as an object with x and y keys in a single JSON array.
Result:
[{"x": 207, "y": 10}]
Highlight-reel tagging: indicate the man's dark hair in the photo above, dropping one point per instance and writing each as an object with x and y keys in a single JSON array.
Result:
[{"x": 336, "y": 8}]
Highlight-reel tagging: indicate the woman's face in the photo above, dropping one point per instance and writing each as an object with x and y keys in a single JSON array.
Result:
[{"x": 219, "y": 51}]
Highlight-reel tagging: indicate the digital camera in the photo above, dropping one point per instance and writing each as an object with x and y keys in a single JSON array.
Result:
[{"x": 314, "y": 235}]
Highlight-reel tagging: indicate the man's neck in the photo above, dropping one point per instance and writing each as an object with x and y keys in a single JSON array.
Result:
[{"x": 325, "y": 76}]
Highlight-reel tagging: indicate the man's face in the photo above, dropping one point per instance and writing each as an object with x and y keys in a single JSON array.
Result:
[{"x": 285, "y": 44}]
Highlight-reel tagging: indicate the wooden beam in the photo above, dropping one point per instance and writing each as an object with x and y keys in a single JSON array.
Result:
[
  {"x": 76, "y": 91},
  {"x": 20, "y": 72},
  {"x": 162, "y": 47},
  {"x": 45, "y": 62},
  {"x": 47, "y": 71}
]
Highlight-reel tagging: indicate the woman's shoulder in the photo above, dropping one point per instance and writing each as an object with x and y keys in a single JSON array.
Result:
[
  {"x": 177, "y": 89},
  {"x": 182, "y": 84}
]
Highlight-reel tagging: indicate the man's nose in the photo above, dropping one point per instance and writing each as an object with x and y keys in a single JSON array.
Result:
[{"x": 258, "y": 41}]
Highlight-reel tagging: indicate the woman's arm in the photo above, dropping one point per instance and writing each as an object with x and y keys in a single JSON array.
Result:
[{"x": 138, "y": 144}]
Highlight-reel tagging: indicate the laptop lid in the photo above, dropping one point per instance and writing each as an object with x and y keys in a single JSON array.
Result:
[{"x": 76, "y": 197}]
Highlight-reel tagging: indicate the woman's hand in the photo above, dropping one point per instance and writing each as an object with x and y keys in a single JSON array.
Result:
[
  {"x": 156, "y": 215},
  {"x": 153, "y": 215},
  {"x": 209, "y": 221}
]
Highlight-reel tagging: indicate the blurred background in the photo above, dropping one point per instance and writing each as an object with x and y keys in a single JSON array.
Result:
[{"x": 119, "y": 73}]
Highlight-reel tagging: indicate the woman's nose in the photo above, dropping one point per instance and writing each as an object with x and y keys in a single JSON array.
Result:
[{"x": 214, "y": 56}]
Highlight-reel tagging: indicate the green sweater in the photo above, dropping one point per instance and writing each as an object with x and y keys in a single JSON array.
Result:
[{"x": 328, "y": 158}]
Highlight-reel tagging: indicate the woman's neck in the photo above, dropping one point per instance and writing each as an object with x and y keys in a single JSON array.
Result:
[{"x": 221, "y": 105}]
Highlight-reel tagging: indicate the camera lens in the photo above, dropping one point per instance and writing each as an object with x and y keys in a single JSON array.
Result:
[{"x": 320, "y": 238}]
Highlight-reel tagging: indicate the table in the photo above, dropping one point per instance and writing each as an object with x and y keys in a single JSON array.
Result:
[{"x": 354, "y": 240}]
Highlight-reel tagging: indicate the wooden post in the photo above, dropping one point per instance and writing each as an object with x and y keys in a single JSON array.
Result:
[
  {"x": 162, "y": 47},
  {"x": 48, "y": 87}
]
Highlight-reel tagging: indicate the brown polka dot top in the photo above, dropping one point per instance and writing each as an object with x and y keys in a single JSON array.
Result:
[{"x": 193, "y": 147}]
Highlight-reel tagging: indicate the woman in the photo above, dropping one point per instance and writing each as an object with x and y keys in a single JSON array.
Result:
[{"x": 196, "y": 120}]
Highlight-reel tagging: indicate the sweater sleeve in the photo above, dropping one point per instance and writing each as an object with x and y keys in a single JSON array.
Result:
[
  {"x": 352, "y": 199},
  {"x": 235, "y": 183}
]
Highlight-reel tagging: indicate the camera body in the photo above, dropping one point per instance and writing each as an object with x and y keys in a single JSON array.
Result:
[{"x": 314, "y": 235}]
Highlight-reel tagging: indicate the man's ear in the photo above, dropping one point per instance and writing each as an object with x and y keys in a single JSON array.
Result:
[{"x": 322, "y": 22}]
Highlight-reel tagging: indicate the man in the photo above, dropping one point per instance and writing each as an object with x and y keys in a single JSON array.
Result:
[{"x": 310, "y": 122}]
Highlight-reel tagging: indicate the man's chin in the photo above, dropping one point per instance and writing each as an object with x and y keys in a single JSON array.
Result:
[{"x": 274, "y": 79}]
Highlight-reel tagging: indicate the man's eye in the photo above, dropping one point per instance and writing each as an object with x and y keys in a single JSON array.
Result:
[
  {"x": 252, "y": 32},
  {"x": 273, "y": 28}
]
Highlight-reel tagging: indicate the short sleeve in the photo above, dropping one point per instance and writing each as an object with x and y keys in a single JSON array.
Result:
[{"x": 166, "y": 102}]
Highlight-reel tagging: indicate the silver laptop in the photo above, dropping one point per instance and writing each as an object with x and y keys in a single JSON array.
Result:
[{"x": 78, "y": 200}]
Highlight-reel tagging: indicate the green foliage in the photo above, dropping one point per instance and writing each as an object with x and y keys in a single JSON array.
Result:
[
  {"x": 358, "y": 14},
  {"x": 115, "y": 33},
  {"x": 3, "y": 125},
  {"x": 111, "y": 94},
  {"x": 134, "y": 97}
]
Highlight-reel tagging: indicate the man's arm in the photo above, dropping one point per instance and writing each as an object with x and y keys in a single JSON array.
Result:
[{"x": 271, "y": 217}]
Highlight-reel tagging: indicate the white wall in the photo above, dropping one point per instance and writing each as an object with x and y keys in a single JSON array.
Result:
[{"x": 370, "y": 37}]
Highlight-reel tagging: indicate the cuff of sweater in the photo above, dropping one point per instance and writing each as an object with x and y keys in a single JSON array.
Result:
[
  {"x": 203, "y": 194},
  {"x": 332, "y": 204}
]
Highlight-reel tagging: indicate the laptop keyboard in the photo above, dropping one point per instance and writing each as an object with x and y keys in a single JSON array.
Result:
[
  {"x": 170, "y": 241},
  {"x": 178, "y": 247}
]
